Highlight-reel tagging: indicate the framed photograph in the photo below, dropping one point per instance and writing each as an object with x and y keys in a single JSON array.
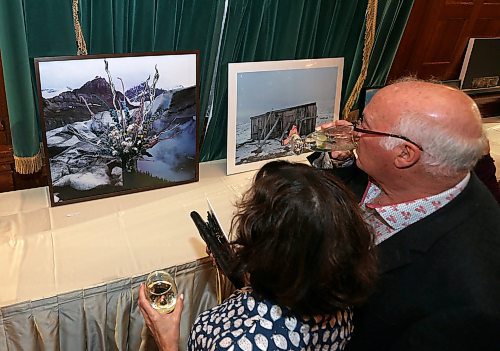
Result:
[
  {"x": 452, "y": 83},
  {"x": 273, "y": 101},
  {"x": 117, "y": 124},
  {"x": 480, "y": 69},
  {"x": 365, "y": 95}
]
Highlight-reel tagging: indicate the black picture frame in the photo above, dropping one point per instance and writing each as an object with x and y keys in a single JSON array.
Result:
[
  {"x": 480, "y": 68},
  {"x": 118, "y": 124},
  {"x": 452, "y": 83}
]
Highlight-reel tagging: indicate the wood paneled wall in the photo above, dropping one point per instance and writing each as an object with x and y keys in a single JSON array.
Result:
[{"x": 436, "y": 36}]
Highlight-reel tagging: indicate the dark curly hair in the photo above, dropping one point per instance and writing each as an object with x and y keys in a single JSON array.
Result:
[{"x": 302, "y": 241}]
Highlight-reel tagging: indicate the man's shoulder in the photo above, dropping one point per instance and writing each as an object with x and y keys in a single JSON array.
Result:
[
  {"x": 438, "y": 271},
  {"x": 471, "y": 220},
  {"x": 478, "y": 203},
  {"x": 473, "y": 205}
]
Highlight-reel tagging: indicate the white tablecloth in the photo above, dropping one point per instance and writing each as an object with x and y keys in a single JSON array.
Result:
[{"x": 47, "y": 251}]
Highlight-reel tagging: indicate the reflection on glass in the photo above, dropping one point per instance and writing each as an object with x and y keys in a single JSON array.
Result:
[
  {"x": 338, "y": 138},
  {"x": 161, "y": 291}
]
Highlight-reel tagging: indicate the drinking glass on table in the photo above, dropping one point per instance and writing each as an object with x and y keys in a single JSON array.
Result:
[{"x": 161, "y": 291}]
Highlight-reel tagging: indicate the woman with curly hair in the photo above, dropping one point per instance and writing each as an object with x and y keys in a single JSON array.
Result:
[{"x": 307, "y": 258}]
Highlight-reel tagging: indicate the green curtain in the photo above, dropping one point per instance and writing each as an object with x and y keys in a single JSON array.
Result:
[
  {"x": 391, "y": 21},
  {"x": 123, "y": 26},
  {"x": 392, "y": 16},
  {"x": 45, "y": 28},
  {"x": 18, "y": 86},
  {"x": 260, "y": 30},
  {"x": 254, "y": 30}
]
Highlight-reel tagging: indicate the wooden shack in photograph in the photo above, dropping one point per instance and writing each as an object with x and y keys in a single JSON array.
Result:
[{"x": 277, "y": 123}]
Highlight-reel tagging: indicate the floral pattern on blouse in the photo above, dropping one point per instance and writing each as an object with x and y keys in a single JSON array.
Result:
[{"x": 244, "y": 322}]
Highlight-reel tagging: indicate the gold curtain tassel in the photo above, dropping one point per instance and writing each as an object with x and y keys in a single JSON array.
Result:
[
  {"x": 80, "y": 40},
  {"x": 29, "y": 165},
  {"x": 370, "y": 28}
]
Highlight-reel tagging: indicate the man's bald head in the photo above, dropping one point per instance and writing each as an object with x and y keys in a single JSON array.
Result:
[
  {"x": 439, "y": 104},
  {"x": 444, "y": 121}
]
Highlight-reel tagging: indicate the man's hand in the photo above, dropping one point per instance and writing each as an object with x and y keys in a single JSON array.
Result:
[
  {"x": 337, "y": 156},
  {"x": 340, "y": 122},
  {"x": 165, "y": 328}
]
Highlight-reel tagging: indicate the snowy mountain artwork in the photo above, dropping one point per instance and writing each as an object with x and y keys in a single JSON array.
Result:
[{"x": 118, "y": 124}]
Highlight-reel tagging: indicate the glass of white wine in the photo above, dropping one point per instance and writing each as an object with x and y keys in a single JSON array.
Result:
[
  {"x": 161, "y": 291},
  {"x": 341, "y": 137},
  {"x": 336, "y": 138}
]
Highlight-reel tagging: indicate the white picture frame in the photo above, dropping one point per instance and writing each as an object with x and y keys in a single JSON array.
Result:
[{"x": 260, "y": 92}]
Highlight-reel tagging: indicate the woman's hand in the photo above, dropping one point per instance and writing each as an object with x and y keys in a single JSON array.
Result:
[{"x": 165, "y": 328}]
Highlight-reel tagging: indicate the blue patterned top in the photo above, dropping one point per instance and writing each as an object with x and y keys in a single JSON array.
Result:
[{"x": 244, "y": 322}]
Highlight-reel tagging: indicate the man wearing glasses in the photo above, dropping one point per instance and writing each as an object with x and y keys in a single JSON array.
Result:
[{"x": 436, "y": 226}]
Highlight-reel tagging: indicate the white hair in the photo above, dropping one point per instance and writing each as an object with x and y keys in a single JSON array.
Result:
[{"x": 445, "y": 153}]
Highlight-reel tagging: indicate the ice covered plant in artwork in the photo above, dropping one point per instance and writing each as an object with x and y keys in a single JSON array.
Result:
[{"x": 130, "y": 133}]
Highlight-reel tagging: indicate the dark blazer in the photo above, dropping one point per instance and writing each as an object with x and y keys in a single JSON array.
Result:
[
  {"x": 439, "y": 286},
  {"x": 485, "y": 170}
]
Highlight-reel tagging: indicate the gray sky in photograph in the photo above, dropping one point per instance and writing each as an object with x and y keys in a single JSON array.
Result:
[
  {"x": 259, "y": 92},
  {"x": 174, "y": 70}
]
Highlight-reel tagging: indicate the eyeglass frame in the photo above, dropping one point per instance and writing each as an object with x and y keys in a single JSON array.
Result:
[{"x": 374, "y": 132}]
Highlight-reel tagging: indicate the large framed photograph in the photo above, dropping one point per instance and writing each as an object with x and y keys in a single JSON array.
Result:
[
  {"x": 116, "y": 124},
  {"x": 273, "y": 101}
]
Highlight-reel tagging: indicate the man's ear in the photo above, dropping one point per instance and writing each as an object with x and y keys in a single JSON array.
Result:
[{"x": 406, "y": 156}]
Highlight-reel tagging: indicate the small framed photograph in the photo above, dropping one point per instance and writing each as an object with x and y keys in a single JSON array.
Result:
[
  {"x": 480, "y": 69},
  {"x": 117, "y": 124},
  {"x": 271, "y": 101},
  {"x": 452, "y": 83},
  {"x": 365, "y": 95}
]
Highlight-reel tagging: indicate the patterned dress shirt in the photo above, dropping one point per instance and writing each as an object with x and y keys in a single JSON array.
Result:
[{"x": 387, "y": 220}]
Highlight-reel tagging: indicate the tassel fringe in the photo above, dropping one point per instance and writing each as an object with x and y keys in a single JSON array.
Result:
[{"x": 29, "y": 165}]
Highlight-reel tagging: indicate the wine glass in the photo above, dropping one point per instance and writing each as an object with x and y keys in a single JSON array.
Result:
[
  {"x": 341, "y": 137},
  {"x": 161, "y": 291},
  {"x": 336, "y": 138}
]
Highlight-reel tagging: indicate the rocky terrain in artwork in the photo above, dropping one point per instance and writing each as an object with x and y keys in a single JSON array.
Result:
[
  {"x": 69, "y": 106},
  {"x": 80, "y": 125}
]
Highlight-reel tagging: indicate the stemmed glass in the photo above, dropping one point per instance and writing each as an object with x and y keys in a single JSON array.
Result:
[
  {"x": 161, "y": 291},
  {"x": 335, "y": 138}
]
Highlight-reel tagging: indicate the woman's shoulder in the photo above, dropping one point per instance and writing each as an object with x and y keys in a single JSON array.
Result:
[
  {"x": 236, "y": 302},
  {"x": 246, "y": 320}
]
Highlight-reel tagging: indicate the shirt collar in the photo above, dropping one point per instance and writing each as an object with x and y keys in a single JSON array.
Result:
[{"x": 401, "y": 215}]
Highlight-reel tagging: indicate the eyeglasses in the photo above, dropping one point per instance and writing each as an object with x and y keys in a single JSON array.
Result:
[{"x": 374, "y": 132}]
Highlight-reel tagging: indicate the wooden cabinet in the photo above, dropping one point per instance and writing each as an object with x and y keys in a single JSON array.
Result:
[{"x": 6, "y": 156}]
